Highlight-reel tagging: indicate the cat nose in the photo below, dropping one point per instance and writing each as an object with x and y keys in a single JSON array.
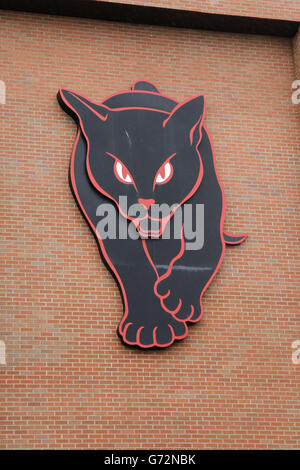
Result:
[{"x": 146, "y": 202}]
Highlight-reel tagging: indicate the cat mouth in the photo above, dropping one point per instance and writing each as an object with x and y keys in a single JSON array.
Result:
[
  {"x": 149, "y": 233},
  {"x": 149, "y": 228}
]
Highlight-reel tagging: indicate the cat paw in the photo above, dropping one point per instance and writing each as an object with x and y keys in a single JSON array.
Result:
[
  {"x": 179, "y": 296},
  {"x": 153, "y": 333}
]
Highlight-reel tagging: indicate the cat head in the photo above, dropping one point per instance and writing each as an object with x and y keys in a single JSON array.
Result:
[{"x": 149, "y": 156}]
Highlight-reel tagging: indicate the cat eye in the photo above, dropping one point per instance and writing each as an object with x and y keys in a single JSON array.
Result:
[
  {"x": 164, "y": 174},
  {"x": 122, "y": 173}
]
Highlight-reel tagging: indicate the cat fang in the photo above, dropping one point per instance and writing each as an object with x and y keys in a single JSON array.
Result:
[
  {"x": 149, "y": 225},
  {"x": 150, "y": 228}
]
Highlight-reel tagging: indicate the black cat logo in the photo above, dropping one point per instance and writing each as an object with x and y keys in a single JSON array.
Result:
[{"x": 153, "y": 150}]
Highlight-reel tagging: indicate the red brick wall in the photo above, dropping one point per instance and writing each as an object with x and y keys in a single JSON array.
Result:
[
  {"x": 280, "y": 9},
  {"x": 69, "y": 382},
  {"x": 296, "y": 53}
]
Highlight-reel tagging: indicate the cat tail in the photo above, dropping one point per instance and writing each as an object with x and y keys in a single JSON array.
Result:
[
  {"x": 144, "y": 85},
  {"x": 234, "y": 239}
]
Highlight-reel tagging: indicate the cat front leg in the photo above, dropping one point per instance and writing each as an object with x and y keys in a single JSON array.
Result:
[
  {"x": 182, "y": 286},
  {"x": 180, "y": 294},
  {"x": 145, "y": 322}
]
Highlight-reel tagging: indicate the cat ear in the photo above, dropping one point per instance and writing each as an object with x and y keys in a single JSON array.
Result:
[
  {"x": 188, "y": 117},
  {"x": 81, "y": 108}
]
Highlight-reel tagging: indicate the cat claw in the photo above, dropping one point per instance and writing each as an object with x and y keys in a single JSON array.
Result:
[
  {"x": 147, "y": 336},
  {"x": 176, "y": 304}
]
